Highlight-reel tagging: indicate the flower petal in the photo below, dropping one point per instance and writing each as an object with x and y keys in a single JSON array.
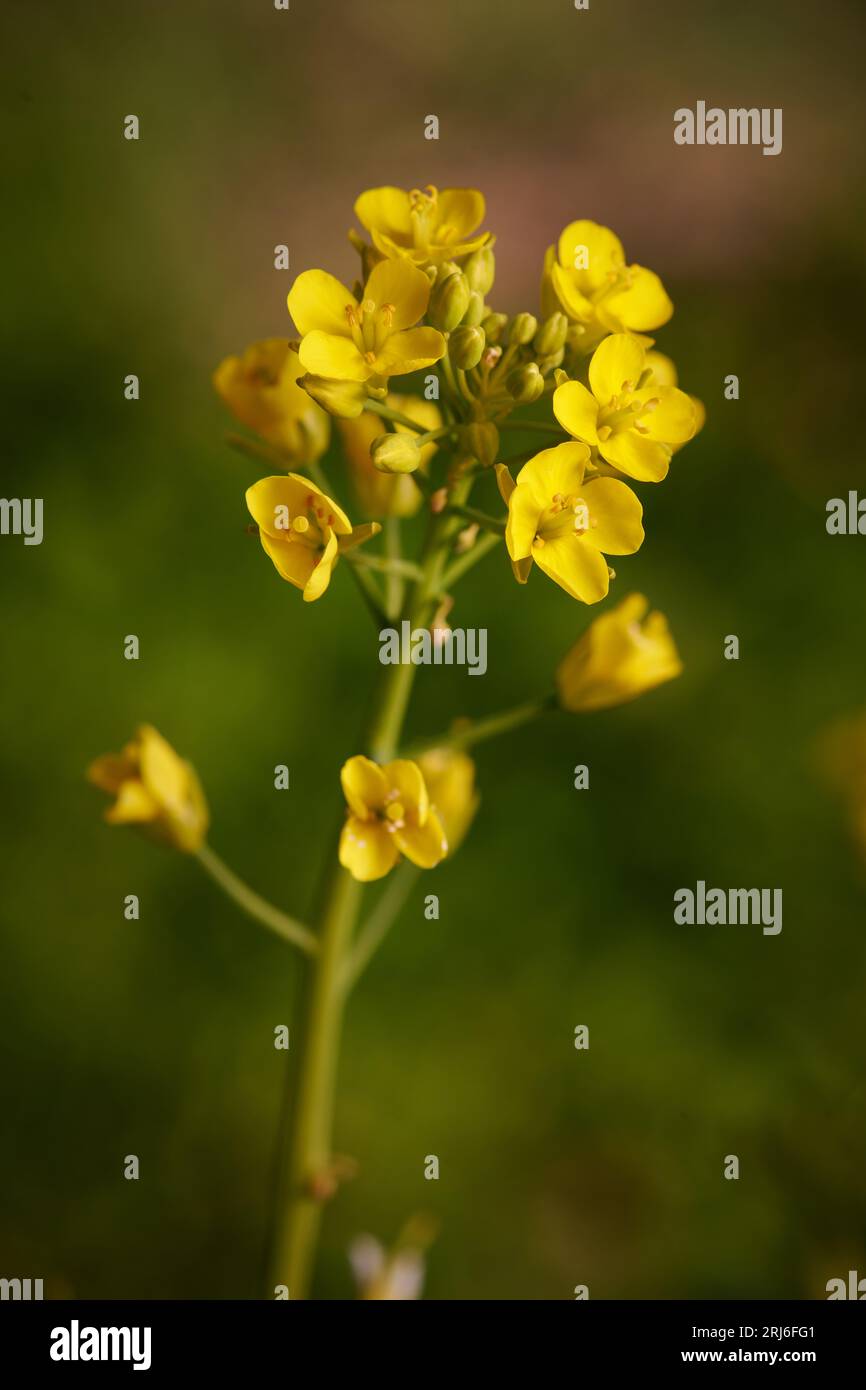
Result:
[
  {"x": 642, "y": 305},
  {"x": 597, "y": 250},
  {"x": 292, "y": 562},
  {"x": 305, "y": 499},
  {"x": 367, "y": 849},
  {"x": 406, "y": 352},
  {"x": 616, "y": 514},
  {"x": 575, "y": 304},
  {"x": 524, "y": 515},
  {"x": 404, "y": 287},
  {"x": 318, "y": 300},
  {"x": 637, "y": 455},
  {"x": 576, "y": 409},
  {"x": 386, "y": 209},
  {"x": 673, "y": 419},
  {"x": 559, "y": 469},
  {"x": 619, "y": 359},
  {"x": 365, "y": 785},
  {"x": 163, "y": 773},
  {"x": 577, "y": 568},
  {"x": 320, "y": 577},
  {"x": 425, "y": 844},
  {"x": 460, "y": 211},
  {"x": 134, "y": 805},
  {"x": 326, "y": 354},
  {"x": 407, "y": 778}
]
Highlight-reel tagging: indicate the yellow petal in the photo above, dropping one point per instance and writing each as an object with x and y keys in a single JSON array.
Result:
[
  {"x": 597, "y": 250},
  {"x": 637, "y": 455},
  {"x": 111, "y": 771},
  {"x": 365, "y": 785},
  {"x": 309, "y": 497},
  {"x": 134, "y": 806},
  {"x": 621, "y": 655},
  {"x": 643, "y": 305},
  {"x": 616, "y": 513},
  {"x": 460, "y": 211},
  {"x": 616, "y": 361},
  {"x": 321, "y": 575},
  {"x": 406, "y": 777},
  {"x": 367, "y": 849},
  {"x": 504, "y": 482},
  {"x": 573, "y": 301},
  {"x": 163, "y": 773},
  {"x": 404, "y": 287},
  {"x": 386, "y": 209},
  {"x": 672, "y": 421},
  {"x": 292, "y": 562},
  {"x": 325, "y": 354},
  {"x": 425, "y": 844},
  {"x": 577, "y": 568},
  {"x": 408, "y": 351},
  {"x": 576, "y": 409},
  {"x": 524, "y": 515},
  {"x": 318, "y": 300},
  {"x": 559, "y": 469}
]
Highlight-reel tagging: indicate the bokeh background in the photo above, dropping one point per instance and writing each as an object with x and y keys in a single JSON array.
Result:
[{"x": 156, "y": 1037}]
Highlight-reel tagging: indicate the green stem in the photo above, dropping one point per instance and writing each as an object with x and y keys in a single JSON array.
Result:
[
  {"x": 384, "y": 563},
  {"x": 254, "y": 905},
  {"x": 490, "y": 727},
  {"x": 395, "y": 416},
  {"x": 393, "y": 581},
  {"x": 464, "y": 562},
  {"x": 379, "y": 923},
  {"x": 490, "y": 523}
]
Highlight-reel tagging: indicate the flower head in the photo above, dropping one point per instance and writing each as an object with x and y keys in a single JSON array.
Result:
[
  {"x": 260, "y": 389},
  {"x": 389, "y": 814},
  {"x": 450, "y": 778},
  {"x": 154, "y": 789},
  {"x": 302, "y": 530},
  {"x": 424, "y": 226},
  {"x": 588, "y": 276},
  {"x": 632, "y": 421},
  {"x": 387, "y": 494},
  {"x": 622, "y": 654},
  {"x": 370, "y": 340},
  {"x": 567, "y": 525}
]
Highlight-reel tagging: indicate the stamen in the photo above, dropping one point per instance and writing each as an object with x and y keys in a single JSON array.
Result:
[{"x": 300, "y": 524}]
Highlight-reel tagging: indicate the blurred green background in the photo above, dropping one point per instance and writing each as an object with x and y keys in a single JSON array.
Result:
[{"x": 155, "y": 1038}]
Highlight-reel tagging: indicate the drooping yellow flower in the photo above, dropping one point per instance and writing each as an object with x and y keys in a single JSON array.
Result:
[
  {"x": 260, "y": 389},
  {"x": 389, "y": 814},
  {"x": 664, "y": 373},
  {"x": 155, "y": 790},
  {"x": 587, "y": 273},
  {"x": 426, "y": 226},
  {"x": 387, "y": 494},
  {"x": 302, "y": 530},
  {"x": 622, "y": 654},
  {"x": 367, "y": 341},
  {"x": 450, "y": 778},
  {"x": 567, "y": 525},
  {"x": 633, "y": 422}
]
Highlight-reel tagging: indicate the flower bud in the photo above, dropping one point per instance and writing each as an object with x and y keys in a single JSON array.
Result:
[
  {"x": 154, "y": 789},
  {"x": 480, "y": 270},
  {"x": 482, "y": 441},
  {"x": 522, "y": 330},
  {"x": 525, "y": 384},
  {"x": 395, "y": 453},
  {"x": 476, "y": 311},
  {"x": 494, "y": 326},
  {"x": 466, "y": 346},
  {"x": 625, "y": 652},
  {"x": 343, "y": 398},
  {"x": 448, "y": 302},
  {"x": 550, "y": 337}
]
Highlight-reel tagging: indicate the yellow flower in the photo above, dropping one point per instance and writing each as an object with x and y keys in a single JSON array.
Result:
[
  {"x": 567, "y": 525},
  {"x": 589, "y": 277},
  {"x": 389, "y": 815},
  {"x": 261, "y": 390},
  {"x": 367, "y": 341},
  {"x": 450, "y": 778},
  {"x": 423, "y": 226},
  {"x": 664, "y": 373},
  {"x": 387, "y": 494},
  {"x": 302, "y": 530},
  {"x": 154, "y": 789},
  {"x": 621, "y": 654},
  {"x": 633, "y": 422}
]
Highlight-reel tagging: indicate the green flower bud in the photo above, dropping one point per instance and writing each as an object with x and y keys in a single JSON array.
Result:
[
  {"x": 480, "y": 270},
  {"x": 395, "y": 453},
  {"x": 522, "y": 330},
  {"x": 346, "y": 399},
  {"x": 551, "y": 335},
  {"x": 494, "y": 326},
  {"x": 465, "y": 346},
  {"x": 447, "y": 268},
  {"x": 476, "y": 311},
  {"x": 448, "y": 302},
  {"x": 481, "y": 439},
  {"x": 547, "y": 364},
  {"x": 525, "y": 384}
]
